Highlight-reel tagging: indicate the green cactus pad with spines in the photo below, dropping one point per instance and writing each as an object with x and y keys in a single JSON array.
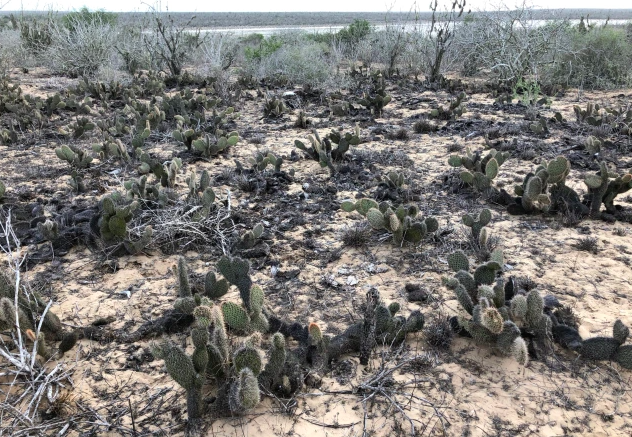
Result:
[
  {"x": 216, "y": 362},
  {"x": 479, "y": 333},
  {"x": 620, "y": 332},
  {"x": 383, "y": 319},
  {"x": 533, "y": 188},
  {"x": 558, "y": 170},
  {"x": 200, "y": 354},
  {"x": 236, "y": 271},
  {"x": 244, "y": 393},
  {"x": 219, "y": 338},
  {"x": 414, "y": 323},
  {"x": 235, "y": 316},
  {"x": 535, "y": 307},
  {"x": 487, "y": 292},
  {"x": 256, "y": 299},
  {"x": 455, "y": 161},
  {"x": 485, "y": 274},
  {"x": 180, "y": 367},
  {"x": 203, "y": 316},
  {"x": 599, "y": 348},
  {"x": 185, "y": 305},
  {"x": 497, "y": 256},
  {"x": 499, "y": 293},
  {"x": 432, "y": 224},
  {"x": 183, "y": 278},
  {"x": 213, "y": 288},
  {"x": 518, "y": 306},
  {"x": 416, "y": 232},
  {"x": 467, "y": 280},
  {"x": 348, "y": 206},
  {"x": 623, "y": 356},
  {"x": 393, "y": 224},
  {"x": 375, "y": 218},
  {"x": 249, "y": 357},
  {"x": 259, "y": 322},
  {"x": 451, "y": 283},
  {"x": 464, "y": 298},
  {"x": 491, "y": 169},
  {"x": 507, "y": 336},
  {"x": 68, "y": 341},
  {"x": 467, "y": 177},
  {"x": 458, "y": 261},
  {"x": 519, "y": 351},
  {"x": 394, "y": 308},
  {"x": 364, "y": 205}
]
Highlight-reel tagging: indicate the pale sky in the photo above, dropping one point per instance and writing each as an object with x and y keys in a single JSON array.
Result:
[{"x": 287, "y": 5}]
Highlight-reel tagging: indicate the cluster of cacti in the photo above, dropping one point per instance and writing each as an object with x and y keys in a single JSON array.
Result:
[
  {"x": 401, "y": 222},
  {"x": 394, "y": 179},
  {"x": 201, "y": 193},
  {"x": 274, "y": 108},
  {"x": 592, "y": 145},
  {"x": 494, "y": 319},
  {"x": 137, "y": 246},
  {"x": 116, "y": 127},
  {"x": 610, "y": 348},
  {"x": 539, "y": 127},
  {"x": 185, "y": 136},
  {"x": 236, "y": 372},
  {"x": 588, "y": 115},
  {"x": 260, "y": 160},
  {"x": 99, "y": 90},
  {"x": 111, "y": 148},
  {"x": 301, "y": 120},
  {"x": 190, "y": 371},
  {"x": 453, "y": 110},
  {"x": 140, "y": 189},
  {"x": 165, "y": 173},
  {"x": 381, "y": 325},
  {"x": 79, "y": 128},
  {"x": 477, "y": 224},
  {"x": 339, "y": 108},
  {"x": 376, "y": 101},
  {"x": 54, "y": 103},
  {"x": 74, "y": 156},
  {"x": 30, "y": 308},
  {"x": 603, "y": 187},
  {"x": 545, "y": 189},
  {"x": 191, "y": 107},
  {"x": 323, "y": 150},
  {"x": 247, "y": 318},
  {"x": 112, "y": 223},
  {"x": 249, "y": 238},
  {"x": 211, "y": 146},
  {"x": 76, "y": 182},
  {"x": 480, "y": 170},
  {"x": 144, "y": 114}
]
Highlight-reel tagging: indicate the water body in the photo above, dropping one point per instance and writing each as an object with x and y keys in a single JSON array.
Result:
[{"x": 409, "y": 27}]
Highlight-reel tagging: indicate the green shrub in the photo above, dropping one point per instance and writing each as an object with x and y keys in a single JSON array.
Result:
[
  {"x": 83, "y": 15},
  {"x": 267, "y": 46},
  {"x": 599, "y": 58},
  {"x": 81, "y": 51}
]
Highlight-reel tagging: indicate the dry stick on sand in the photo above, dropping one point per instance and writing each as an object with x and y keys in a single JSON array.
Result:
[
  {"x": 21, "y": 366},
  {"x": 383, "y": 383},
  {"x": 174, "y": 225}
]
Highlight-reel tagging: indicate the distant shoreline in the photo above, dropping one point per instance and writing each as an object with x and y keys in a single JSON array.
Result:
[{"x": 211, "y": 20}]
